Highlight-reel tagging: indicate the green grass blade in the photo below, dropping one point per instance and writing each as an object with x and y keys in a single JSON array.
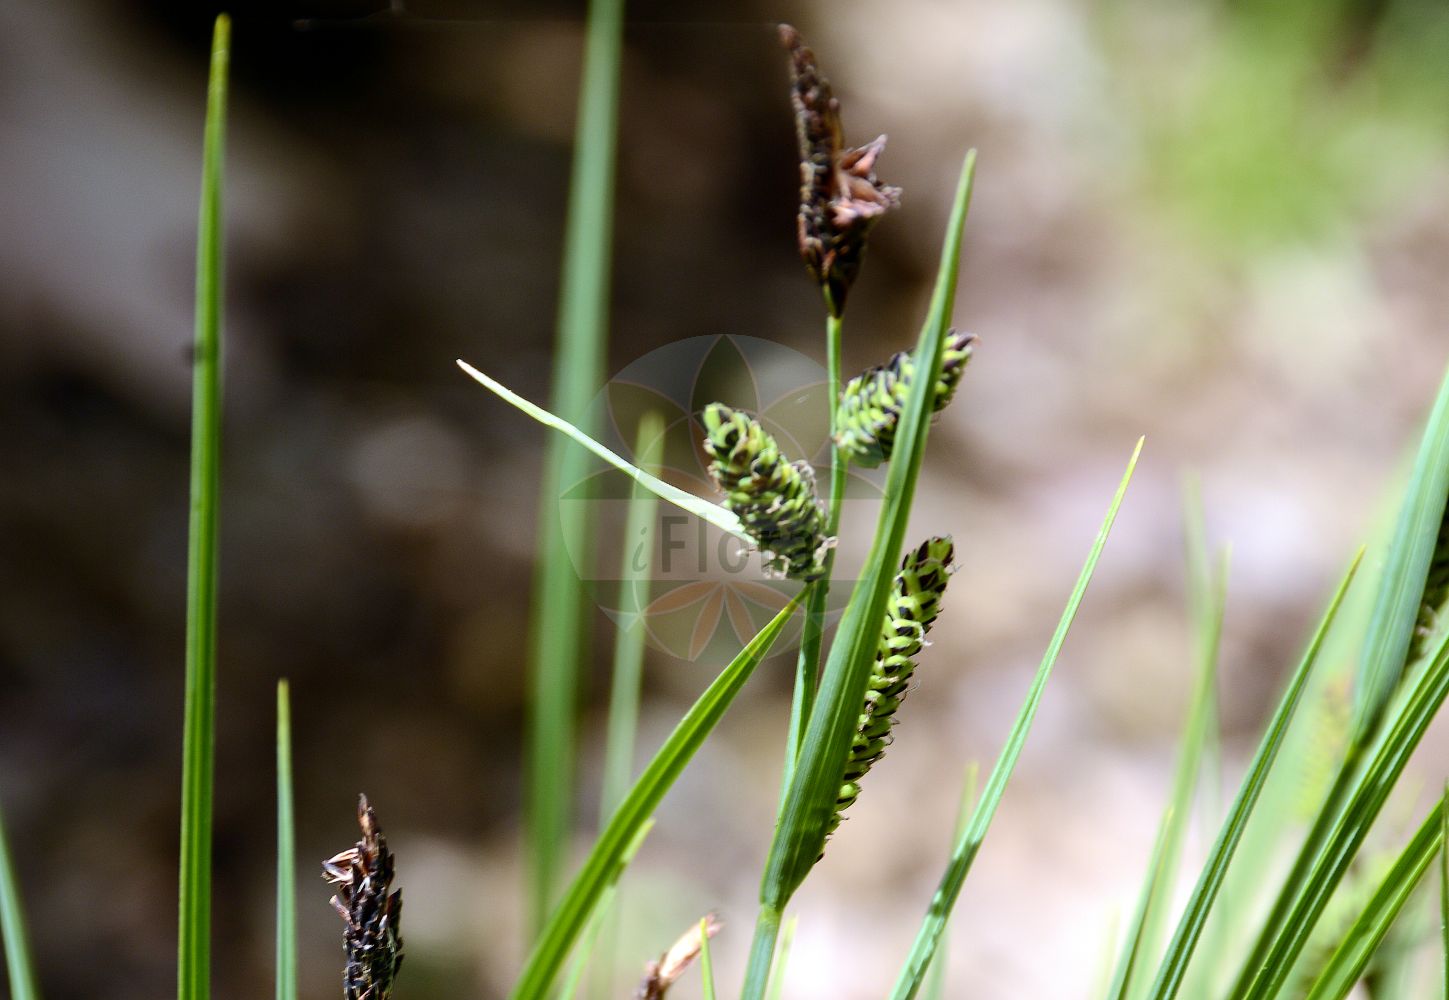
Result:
[
  {"x": 1199, "y": 905},
  {"x": 689, "y": 503},
  {"x": 12, "y": 929},
  {"x": 1406, "y": 565},
  {"x": 810, "y": 797},
  {"x": 1157, "y": 887},
  {"x": 936, "y": 973},
  {"x": 557, "y": 629},
  {"x": 627, "y": 677},
  {"x": 1444, "y": 883},
  {"x": 286, "y": 851},
  {"x": 628, "y": 670},
  {"x": 1368, "y": 791},
  {"x": 706, "y": 961},
  {"x": 599, "y": 919},
  {"x": 606, "y": 858},
  {"x": 782, "y": 959},
  {"x": 193, "y": 970},
  {"x": 964, "y": 852},
  {"x": 1362, "y": 939}
]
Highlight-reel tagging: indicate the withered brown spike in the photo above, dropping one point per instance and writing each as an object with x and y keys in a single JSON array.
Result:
[
  {"x": 663, "y": 972},
  {"x": 372, "y": 938},
  {"x": 840, "y": 197}
]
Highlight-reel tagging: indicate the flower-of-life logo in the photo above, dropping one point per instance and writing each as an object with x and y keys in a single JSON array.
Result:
[{"x": 697, "y": 592}]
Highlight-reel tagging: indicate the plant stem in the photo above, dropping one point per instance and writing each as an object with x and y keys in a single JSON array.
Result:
[
  {"x": 807, "y": 664},
  {"x": 762, "y": 953}
]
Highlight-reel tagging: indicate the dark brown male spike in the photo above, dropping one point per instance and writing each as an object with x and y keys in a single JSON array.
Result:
[
  {"x": 840, "y": 197},
  {"x": 372, "y": 939}
]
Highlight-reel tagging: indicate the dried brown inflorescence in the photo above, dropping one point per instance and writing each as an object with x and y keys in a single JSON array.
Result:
[
  {"x": 664, "y": 971},
  {"x": 840, "y": 197},
  {"x": 373, "y": 939}
]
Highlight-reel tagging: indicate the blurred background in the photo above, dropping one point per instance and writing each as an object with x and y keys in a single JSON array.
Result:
[{"x": 1222, "y": 225}]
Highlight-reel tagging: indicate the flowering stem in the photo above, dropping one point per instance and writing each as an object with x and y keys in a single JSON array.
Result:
[
  {"x": 807, "y": 665},
  {"x": 762, "y": 953}
]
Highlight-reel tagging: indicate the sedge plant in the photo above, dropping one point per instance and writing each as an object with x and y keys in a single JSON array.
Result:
[{"x": 848, "y": 693}]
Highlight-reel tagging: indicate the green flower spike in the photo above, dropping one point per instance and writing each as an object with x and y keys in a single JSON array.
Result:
[
  {"x": 912, "y": 610},
  {"x": 774, "y": 499},
  {"x": 870, "y": 405}
]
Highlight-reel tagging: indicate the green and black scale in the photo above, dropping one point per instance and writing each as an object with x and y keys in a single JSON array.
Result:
[
  {"x": 871, "y": 403},
  {"x": 915, "y": 602},
  {"x": 774, "y": 499}
]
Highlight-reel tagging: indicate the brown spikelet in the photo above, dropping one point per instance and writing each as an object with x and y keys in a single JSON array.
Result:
[
  {"x": 372, "y": 939},
  {"x": 840, "y": 197},
  {"x": 664, "y": 971}
]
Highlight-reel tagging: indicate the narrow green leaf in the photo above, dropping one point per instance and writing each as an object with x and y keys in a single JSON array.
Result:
[
  {"x": 936, "y": 972},
  {"x": 606, "y": 858},
  {"x": 627, "y": 676},
  {"x": 12, "y": 928},
  {"x": 629, "y": 643},
  {"x": 689, "y": 503},
  {"x": 1369, "y": 789},
  {"x": 1209, "y": 600},
  {"x": 286, "y": 851},
  {"x": 1363, "y": 937},
  {"x": 558, "y": 634},
  {"x": 1199, "y": 905},
  {"x": 603, "y": 913},
  {"x": 1444, "y": 883},
  {"x": 782, "y": 959},
  {"x": 967, "y": 845},
  {"x": 706, "y": 962},
  {"x": 1406, "y": 566},
  {"x": 193, "y": 970}
]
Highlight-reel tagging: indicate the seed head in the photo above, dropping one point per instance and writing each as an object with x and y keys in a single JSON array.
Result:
[
  {"x": 372, "y": 939},
  {"x": 871, "y": 403},
  {"x": 840, "y": 197},
  {"x": 914, "y": 604},
  {"x": 774, "y": 499}
]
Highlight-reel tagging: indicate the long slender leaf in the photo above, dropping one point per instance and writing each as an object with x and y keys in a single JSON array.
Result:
[
  {"x": 629, "y": 640},
  {"x": 557, "y": 630},
  {"x": 627, "y": 676},
  {"x": 12, "y": 929},
  {"x": 1369, "y": 789},
  {"x": 936, "y": 973},
  {"x": 1444, "y": 884},
  {"x": 809, "y": 800},
  {"x": 286, "y": 851},
  {"x": 193, "y": 969},
  {"x": 1157, "y": 886},
  {"x": 706, "y": 960},
  {"x": 967, "y": 845},
  {"x": 1364, "y": 792},
  {"x": 603, "y": 912},
  {"x": 1401, "y": 590},
  {"x": 1180, "y": 950},
  {"x": 604, "y": 861},
  {"x": 1363, "y": 937},
  {"x": 689, "y": 503},
  {"x": 782, "y": 959}
]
